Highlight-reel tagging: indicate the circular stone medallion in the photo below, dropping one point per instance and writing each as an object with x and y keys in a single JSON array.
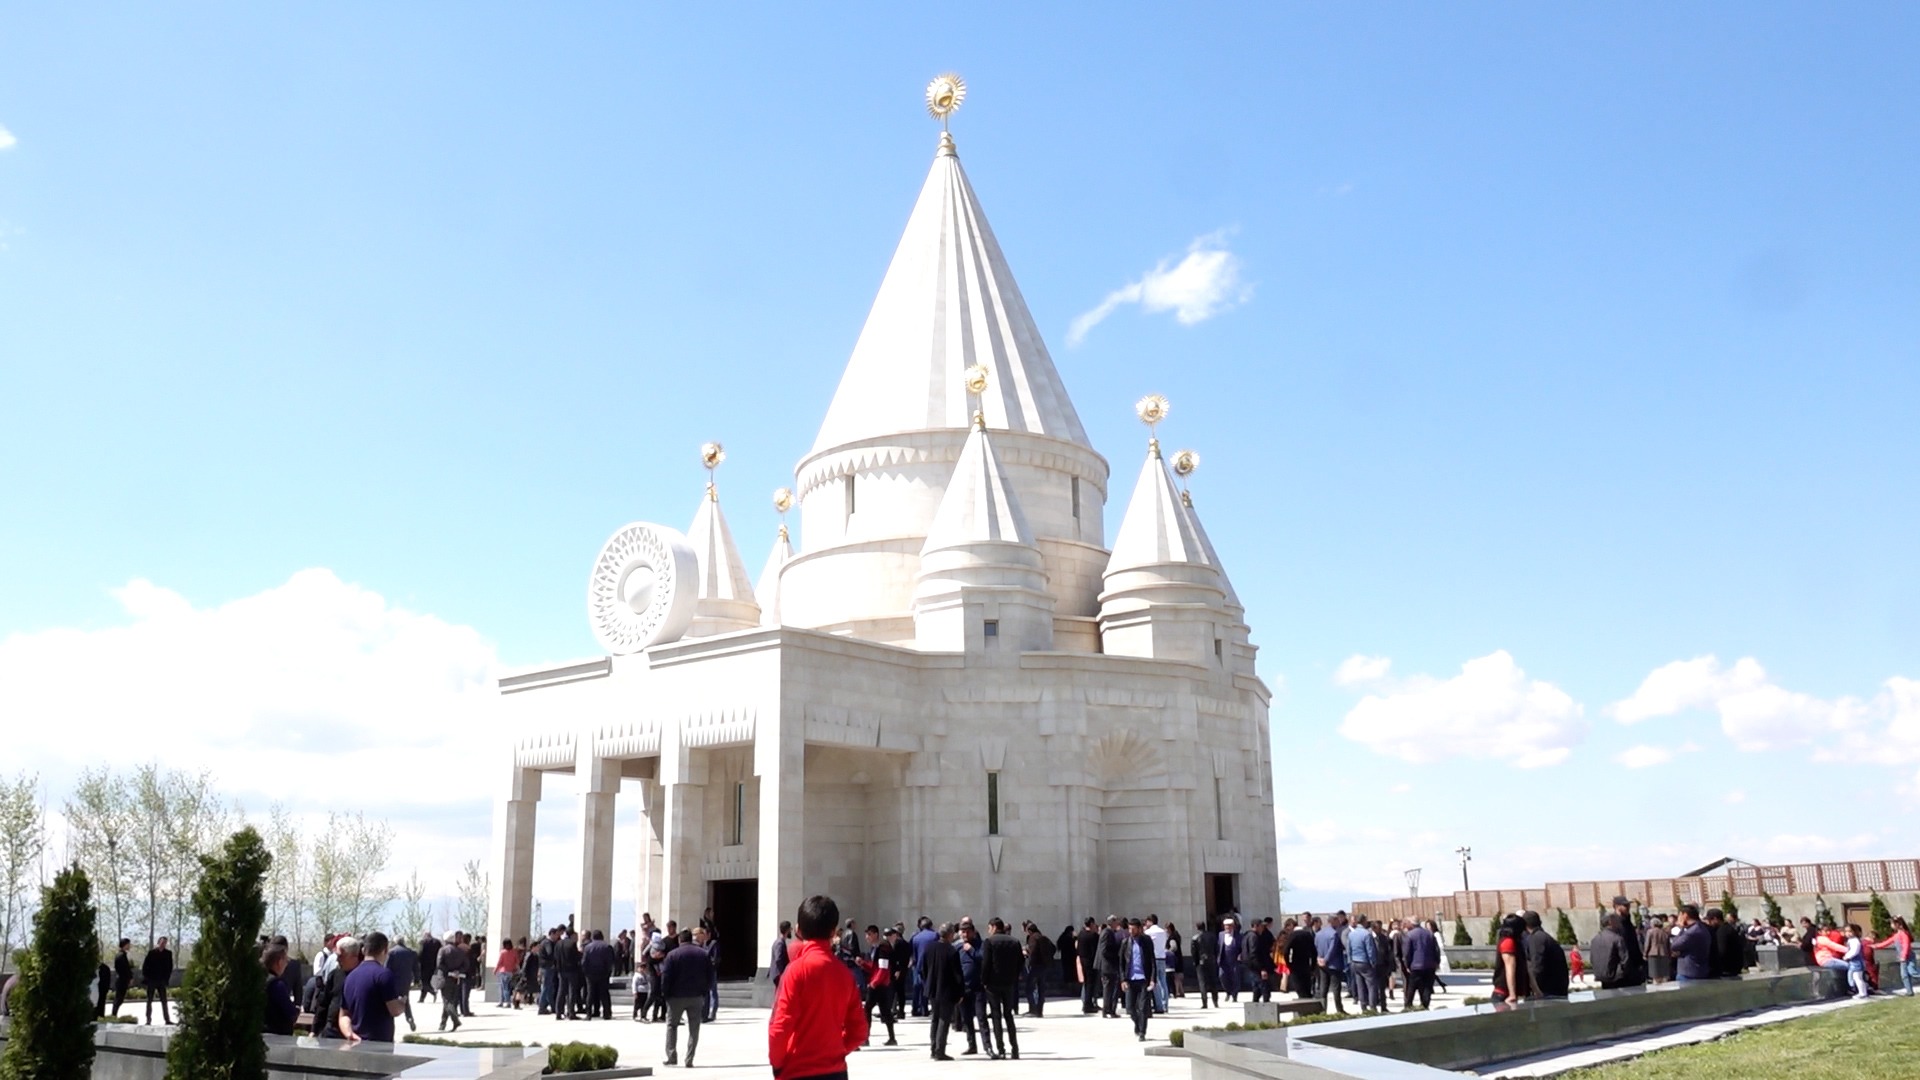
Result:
[{"x": 641, "y": 591}]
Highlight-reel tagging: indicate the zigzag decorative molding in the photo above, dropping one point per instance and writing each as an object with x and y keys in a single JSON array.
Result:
[
  {"x": 718, "y": 727},
  {"x": 550, "y": 751},
  {"x": 637, "y": 739}
]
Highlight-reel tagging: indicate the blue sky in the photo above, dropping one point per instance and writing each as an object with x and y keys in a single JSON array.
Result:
[{"x": 1584, "y": 334}]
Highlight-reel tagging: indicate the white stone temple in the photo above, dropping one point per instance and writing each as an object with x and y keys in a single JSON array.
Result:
[{"x": 955, "y": 697}]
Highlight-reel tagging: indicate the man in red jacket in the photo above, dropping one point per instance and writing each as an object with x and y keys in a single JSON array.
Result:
[{"x": 817, "y": 1018}]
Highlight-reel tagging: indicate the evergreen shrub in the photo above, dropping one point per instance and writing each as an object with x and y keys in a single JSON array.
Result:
[
  {"x": 52, "y": 1006},
  {"x": 223, "y": 1008}
]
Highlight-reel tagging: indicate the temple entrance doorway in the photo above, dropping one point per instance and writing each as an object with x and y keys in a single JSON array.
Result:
[{"x": 736, "y": 911}]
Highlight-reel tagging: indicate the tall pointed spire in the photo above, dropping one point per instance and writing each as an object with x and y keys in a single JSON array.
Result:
[
  {"x": 979, "y": 567},
  {"x": 767, "y": 593},
  {"x": 1158, "y": 529},
  {"x": 725, "y": 594},
  {"x": 948, "y": 301}
]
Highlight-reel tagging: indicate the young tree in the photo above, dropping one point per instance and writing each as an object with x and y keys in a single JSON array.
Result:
[
  {"x": 99, "y": 823},
  {"x": 343, "y": 886},
  {"x": 1822, "y": 915},
  {"x": 1879, "y": 916},
  {"x": 1563, "y": 933},
  {"x": 413, "y": 908},
  {"x": 197, "y": 821},
  {"x": 222, "y": 1010},
  {"x": 1727, "y": 906},
  {"x": 1772, "y": 910},
  {"x": 23, "y": 838},
  {"x": 474, "y": 887},
  {"x": 282, "y": 838},
  {"x": 1493, "y": 931},
  {"x": 52, "y": 1007}
]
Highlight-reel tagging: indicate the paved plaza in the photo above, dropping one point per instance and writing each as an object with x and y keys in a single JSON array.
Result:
[{"x": 1068, "y": 1043}]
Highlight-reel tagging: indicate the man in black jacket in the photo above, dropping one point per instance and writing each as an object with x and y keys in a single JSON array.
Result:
[
  {"x": 686, "y": 976},
  {"x": 1000, "y": 977},
  {"x": 1039, "y": 959},
  {"x": 944, "y": 988},
  {"x": 330, "y": 991},
  {"x": 122, "y": 975},
  {"x": 596, "y": 967},
  {"x": 156, "y": 973},
  {"x": 1109, "y": 964},
  {"x": 1303, "y": 958},
  {"x": 1546, "y": 960},
  {"x": 1087, "y": 945},
  {"x": 429, "y": 962},
  {"x": 454, "y": 966},
  {"x": 404, "y": 964},
  {"x": 573, "y": 996},
  {"x": 1135, "y": 967},
  {"x": 1204, "y": 954},
  {"x": 881, "y": 974},
  {"x": 1636, "y": 970},
  {"x": 1260, "y": 958},
  {"x": 1729, "y": 945}
]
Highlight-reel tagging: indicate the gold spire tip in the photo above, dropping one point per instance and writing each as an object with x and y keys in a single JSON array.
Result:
[{"x": 944, "y": 95}]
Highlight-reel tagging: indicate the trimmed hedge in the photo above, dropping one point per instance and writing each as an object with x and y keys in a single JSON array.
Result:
[{"x": 571, "y": 1057}]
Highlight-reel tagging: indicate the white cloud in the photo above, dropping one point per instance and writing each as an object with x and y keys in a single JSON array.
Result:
[
  {"x": 1758, "y": 714},
  {"x": 1491, "y": 710},
  {"x": 315, "y": 693},
  {"x": 1734, "y": 797},
  {"x": 1641, "y": 757},
  {"x": 7, "y": 141},
  {"x": 1204, "y": 283},
  {"x": 1357, "y": 669}
]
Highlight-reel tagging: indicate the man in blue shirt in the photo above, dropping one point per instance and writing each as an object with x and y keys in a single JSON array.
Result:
[
  {"x": 1137, "y": 970},
  {"x": 923, "y": 939},
  {"x": 371, "y": 998},
  {"x": 1330, "y": 948},
  {"x": 1692, "y": 947},
  {"x": 1363, "y": 957}
]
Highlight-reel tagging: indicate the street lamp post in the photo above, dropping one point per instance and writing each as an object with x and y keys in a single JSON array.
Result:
[{"x": 1466, "y": 856}]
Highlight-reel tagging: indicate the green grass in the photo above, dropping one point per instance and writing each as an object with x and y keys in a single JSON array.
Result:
[{"x": 1877, "y": 1041}]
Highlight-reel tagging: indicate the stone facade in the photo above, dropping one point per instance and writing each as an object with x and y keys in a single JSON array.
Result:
[{"x": 964, "y": 702}]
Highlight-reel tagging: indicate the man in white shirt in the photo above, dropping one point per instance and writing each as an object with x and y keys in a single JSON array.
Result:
[{"x": 1158, "y": 935}]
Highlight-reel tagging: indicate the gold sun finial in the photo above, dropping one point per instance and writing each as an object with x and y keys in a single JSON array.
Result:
[
  {"x": 783, "y": 502},
  {"x": 1151, "y": 410},
  {"x": 1184, "y": 463},
  {"x": 711, "y": 455},
  {"x": 944, "y": 95},
  {"x": 976, "y": 383}
]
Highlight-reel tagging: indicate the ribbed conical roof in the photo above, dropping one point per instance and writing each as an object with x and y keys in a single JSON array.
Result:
[
  {"x": 979, "y": 503},
  {"x": 1206, "y": 546},
  {"x": 948, "y": 302},
  {"x": 767, "y": 593},
  {"x": 725, "y": 591},
  {"x": 1158, "y": 529}
]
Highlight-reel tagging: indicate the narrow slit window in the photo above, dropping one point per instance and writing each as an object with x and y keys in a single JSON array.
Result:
[
  {"x": 739, "y": 814},
  {"x": 993, "y": 804},
  {"x": 851, "y": 504},
  {"x": 1076, "y": 498},
  {"x": 1219, "y": 811},
  {"x": 1219, "y": 650}
]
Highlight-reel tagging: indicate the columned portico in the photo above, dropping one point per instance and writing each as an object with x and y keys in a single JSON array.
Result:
[{"x": 599, "y": 785}]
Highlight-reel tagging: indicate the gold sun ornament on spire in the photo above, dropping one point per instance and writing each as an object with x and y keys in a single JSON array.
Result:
[
  {"x": 711, "y": 455},
  {"x": 1151, "y": 410},
  {"x": 1184, "y": 463},
  {"x": 976, "y": 382},
  {"x": 944, "y": 95},
  {"x": 783, "y": 502}
]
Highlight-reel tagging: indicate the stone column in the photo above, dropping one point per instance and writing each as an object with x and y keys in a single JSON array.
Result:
[
  {"x": 683, "y": 886},
  {"x": 780, "y": 763},
  {"x": 510, "y": 907},
  {"x": 599, "y": 785},
  {"x": 652, "y": 850}
]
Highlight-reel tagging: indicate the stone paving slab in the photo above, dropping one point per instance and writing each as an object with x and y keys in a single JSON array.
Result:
[{"x": 735, "y": 1046}]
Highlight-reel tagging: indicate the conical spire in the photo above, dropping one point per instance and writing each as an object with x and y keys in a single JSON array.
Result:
[
  {"x": 1206, "y": 546},
  {"x": 948, "y": 301},
  {"x": 767, "y": 593},
  {"x": 1159, "y": 529},
  {"x": 979, "y": 503},
  {"x": 725, "y": 594}
]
